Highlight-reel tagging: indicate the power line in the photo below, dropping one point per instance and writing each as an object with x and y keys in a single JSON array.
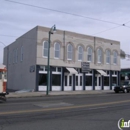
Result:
[
  {"x": 78, "y": 15},
  {"x": 2, "y": 43},
  {"x": 106, "y": 30}
]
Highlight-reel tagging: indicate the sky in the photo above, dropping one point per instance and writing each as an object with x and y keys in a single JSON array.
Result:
[{"x": 108, "y": 19}]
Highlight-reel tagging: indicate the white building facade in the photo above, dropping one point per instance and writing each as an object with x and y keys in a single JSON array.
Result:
[{"x": 27, "y": 57}]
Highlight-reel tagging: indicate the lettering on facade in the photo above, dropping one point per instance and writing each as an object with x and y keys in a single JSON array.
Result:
[{"x": 85, "y": 66}]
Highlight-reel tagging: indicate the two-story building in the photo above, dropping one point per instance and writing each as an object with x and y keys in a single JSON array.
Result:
[{"x": 26, "y": 61}]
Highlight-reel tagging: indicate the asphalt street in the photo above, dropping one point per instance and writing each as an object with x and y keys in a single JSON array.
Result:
[{"x": 76, "y": 112}]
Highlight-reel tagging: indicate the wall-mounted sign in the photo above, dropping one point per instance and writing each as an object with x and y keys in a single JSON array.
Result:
[
  {"x": 85, "y": 66},
  {"x": 32, "y": 68}
]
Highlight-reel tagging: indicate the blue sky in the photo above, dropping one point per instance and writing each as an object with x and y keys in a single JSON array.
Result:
[{"x": 16, "y": 19}]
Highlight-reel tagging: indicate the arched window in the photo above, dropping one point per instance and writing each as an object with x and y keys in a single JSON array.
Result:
[
  {"x": 69, "y": 52},
  {"x": 80, "y": 53},
  {"x": 99, "y": 56},
  {"x": 57, "y": 50},
  {"x": 45, "y": 48},
  {"x": 89, "y": 54},
  {"x": 108, "y": 56},
  {"x": 114, "y": 57}
]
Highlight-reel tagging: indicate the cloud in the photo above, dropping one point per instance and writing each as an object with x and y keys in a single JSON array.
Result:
[{"x": 17, "y": 19}]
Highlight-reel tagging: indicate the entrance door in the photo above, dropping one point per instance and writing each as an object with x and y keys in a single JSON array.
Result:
[
  {"x": 79, "y": 82},
  {"x": 98, "y": 82},
  {"x": 68, "y": 82}
]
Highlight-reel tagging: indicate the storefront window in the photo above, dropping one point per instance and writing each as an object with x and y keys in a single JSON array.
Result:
[
  {"x": 43, "y": 79},
  {"x": 88, "y": 81},
  {"x": 114, "y": 80},
  {"x": 56, "y": 80},
  {"x": 106, "y": 81}
]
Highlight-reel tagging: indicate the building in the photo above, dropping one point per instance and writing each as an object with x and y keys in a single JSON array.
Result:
[
  {"x": 125, "y": 74},
  {"x": 26, "y": 61}
]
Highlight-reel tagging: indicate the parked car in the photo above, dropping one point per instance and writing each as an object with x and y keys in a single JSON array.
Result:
[{"x": 124, "y": 87}]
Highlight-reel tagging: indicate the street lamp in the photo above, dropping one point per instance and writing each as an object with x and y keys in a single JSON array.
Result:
[{"x": 52, "y": 30}]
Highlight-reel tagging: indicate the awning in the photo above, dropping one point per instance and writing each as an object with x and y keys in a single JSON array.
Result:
[
  {"x": 102, "y": 72},
  {"x": 72, "y": 70}
]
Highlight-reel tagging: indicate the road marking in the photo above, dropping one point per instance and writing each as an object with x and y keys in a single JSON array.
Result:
[{"x": 63, "y": 108}]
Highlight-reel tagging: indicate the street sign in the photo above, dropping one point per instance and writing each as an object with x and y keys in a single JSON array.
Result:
[{"x": 85, "y": 66}]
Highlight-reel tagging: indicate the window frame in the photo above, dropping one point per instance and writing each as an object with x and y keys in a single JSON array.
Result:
[
  {"x": 108, "y": 56},
  {"x": 43, "y": 49},
  {"x": 56, "y": 50},
  {"x": 80, "y": 53},
  {"x": 115, "y": 53},
  {"x": 89, "y": 54},
  {"x": 101, "y": 57},
  {"x": 21, "y": 53},
  {"x": 70, "y": 52}
]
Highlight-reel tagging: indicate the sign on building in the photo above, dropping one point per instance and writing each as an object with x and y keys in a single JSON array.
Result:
[{"x": 85, "y": 66}]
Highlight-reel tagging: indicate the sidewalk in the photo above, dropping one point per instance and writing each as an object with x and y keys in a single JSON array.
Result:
[{"x": 62, "y": 93}]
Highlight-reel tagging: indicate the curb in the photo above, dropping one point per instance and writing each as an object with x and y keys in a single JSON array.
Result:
[{"x": 25, "y": 95}]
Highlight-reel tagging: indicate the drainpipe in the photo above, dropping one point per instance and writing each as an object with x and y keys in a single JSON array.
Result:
[{"x": 64, "y": 45}]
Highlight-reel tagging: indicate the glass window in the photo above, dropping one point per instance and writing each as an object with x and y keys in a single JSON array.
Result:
[
  {"x": 88, "y": 81},
  {"x": 43, "y": 79},
  {"x": 21, "y": 53},
  {"x": 70, "y": 80},
  {"x": 80, "y": 53},
  {"x": 65, "y": 80},
  {"x": 114, "y": 80},
  {"x": 69, "y": 52},
  {"x": 115, "y": 57},
  {"x": 57, "y": 50},
  {"x": 80, "y": 80},
  {"x": 106, "y": 81},
  {"x": 45, "y": 48},
  {"x": 59, "y": 69},
  {"x": 54, "y": 69},
  {"x": 46, "y": 68},
  {"x": 42, "y": 68},
  {"x": 99, "y": 56},
  {"x": 56, "y": 80},
  {"x": 89, "y": 54},
  {"x": 16, "y": 57},
  {"x": 10, "y": 58},
  {"x": 14, "y": 54},
  {"x": 108, "y": 56}
]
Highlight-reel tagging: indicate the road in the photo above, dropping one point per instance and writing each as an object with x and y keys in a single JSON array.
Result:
[{"x": 77, "y": 112}]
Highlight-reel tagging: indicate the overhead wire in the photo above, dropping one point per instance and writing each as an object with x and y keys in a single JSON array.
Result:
[{"x": 78, "y": 15}]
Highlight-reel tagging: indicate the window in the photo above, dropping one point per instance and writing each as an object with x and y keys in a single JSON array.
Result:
[
  {"x": 10, "y": 58},
  {"x": 16, "y": 56},
  {"x": 57, "y": 50},
  {"x": 69, "y": 52},
  {"x": 22, "y": 53},
  {"x": 99, "y": 56},
  {"x": 108, "y": 56},
  {"x": 88, "y": 81},
  {"x": 56, "y": 80},
  {"x": 43, "y": 79},
  {"x": 115, "y": 57},
  {"x": 80, "y": 53},
  {"x": 45, "y": 49},
  {"x": 89, "y": 54},
  {"x": 106, "y": 81}
]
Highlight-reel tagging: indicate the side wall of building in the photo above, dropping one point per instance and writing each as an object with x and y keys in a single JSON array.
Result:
[{"x": 20, "y": 57}]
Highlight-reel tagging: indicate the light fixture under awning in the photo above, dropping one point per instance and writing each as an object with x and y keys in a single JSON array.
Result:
[
  {"x": 102, "y": 72},
  {"x": 72, "y": 70}
]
